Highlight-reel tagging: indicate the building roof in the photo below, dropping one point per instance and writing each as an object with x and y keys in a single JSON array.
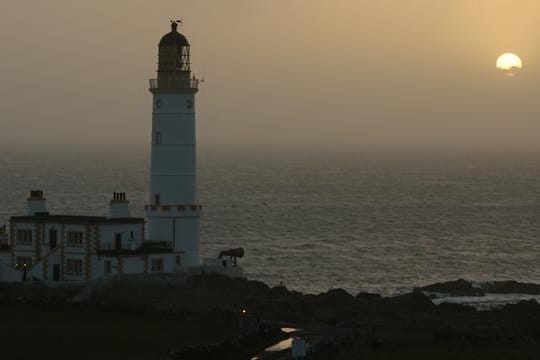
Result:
[
  {"x": 174, "y": 38},
  {"x": 75, "y": 219}
]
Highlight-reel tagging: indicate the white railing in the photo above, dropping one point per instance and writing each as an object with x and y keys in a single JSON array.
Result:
[{"x": 129, "y": 244}]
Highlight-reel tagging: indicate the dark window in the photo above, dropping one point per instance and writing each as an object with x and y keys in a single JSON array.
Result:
[
  {"x": 158, "y": 137},
  {"x": 74, "y": 239},
  {"x": 157, "y": 265},
  {"x": 73, "y": 267},
  {"x": 24, "y": 237}
]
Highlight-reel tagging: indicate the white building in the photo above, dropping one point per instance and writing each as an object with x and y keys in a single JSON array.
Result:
[
  {"x": 79, "y": 248},
  {"x": 45, "y": 247}
]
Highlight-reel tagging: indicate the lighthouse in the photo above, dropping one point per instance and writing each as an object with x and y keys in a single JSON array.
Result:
[
  {"x": 172, "y": 212},
  {"x": 40, "y": 246}
]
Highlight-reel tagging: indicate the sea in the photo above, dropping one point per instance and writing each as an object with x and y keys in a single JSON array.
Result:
[{"x": 365, "y": 220}]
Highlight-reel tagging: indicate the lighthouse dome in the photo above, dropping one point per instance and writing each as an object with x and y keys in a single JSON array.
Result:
[{"x": 174, "y": 38}]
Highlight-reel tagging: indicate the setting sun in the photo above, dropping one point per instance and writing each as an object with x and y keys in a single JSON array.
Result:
[{"x": 509, "y": 62}]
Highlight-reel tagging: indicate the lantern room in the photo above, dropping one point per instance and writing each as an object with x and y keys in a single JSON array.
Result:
[{"x": 174, "y": 59}]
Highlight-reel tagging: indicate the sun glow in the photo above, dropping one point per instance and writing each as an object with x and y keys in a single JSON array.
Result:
[{"x": 508, "y": 62}]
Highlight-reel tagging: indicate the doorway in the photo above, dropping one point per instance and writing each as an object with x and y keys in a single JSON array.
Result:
[
  {"x": 56, "y": 272},
  {"x": 118, "y": 241}
]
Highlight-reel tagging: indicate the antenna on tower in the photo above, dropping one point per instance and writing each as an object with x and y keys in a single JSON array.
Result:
[{"x": 176, "y": 23}]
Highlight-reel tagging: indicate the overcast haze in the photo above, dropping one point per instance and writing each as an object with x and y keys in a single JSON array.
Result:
[{"x": 312, "y": 72}]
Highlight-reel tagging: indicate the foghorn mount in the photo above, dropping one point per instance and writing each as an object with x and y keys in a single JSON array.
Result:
[{"x": 232, "y": 254}]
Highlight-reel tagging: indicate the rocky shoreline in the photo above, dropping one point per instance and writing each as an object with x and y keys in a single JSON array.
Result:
[
  {"x": 220, "y": 318},
  {"x": 462, "y": 287}
]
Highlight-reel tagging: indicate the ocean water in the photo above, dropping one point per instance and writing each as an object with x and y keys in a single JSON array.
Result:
[{"x": 378, "y": 221}]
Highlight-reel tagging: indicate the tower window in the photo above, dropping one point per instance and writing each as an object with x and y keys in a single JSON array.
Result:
[
  {"x": 157, "y": 199},
  {"x": 158, "y": 137}
]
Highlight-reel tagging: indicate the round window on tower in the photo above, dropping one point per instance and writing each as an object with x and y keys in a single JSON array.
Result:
[
  {"x": 189, "y": 103},
  {"x": 159, "y": 103}
]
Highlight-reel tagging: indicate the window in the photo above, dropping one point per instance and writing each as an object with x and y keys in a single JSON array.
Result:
[
  {"x": 157, "y": 265},
  {"x": 158, "y": 137},
  {"x": 178, "y": 260},
  {"x": 157, "y": 199},
  {"x": 73, "y": 267},
  {"x": 24, "y": 237},
  {"x": 74, "y": 239},
  {"x": 23, "y": 261},
  {"x": 108, "y": 267}
]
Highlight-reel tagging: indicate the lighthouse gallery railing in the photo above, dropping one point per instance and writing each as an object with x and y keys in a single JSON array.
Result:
[{"x": 192, "y": 83}]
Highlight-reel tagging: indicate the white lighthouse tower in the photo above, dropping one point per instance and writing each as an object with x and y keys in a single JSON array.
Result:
[{"x": 173, "y": 213}]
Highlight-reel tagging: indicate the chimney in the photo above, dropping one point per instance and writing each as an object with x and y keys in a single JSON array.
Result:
[
  {"x": 119, "y": 206},
  {"x": 36, "y": 204}
]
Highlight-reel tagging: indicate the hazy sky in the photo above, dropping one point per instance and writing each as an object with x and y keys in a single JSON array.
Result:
[{"x": 277, "y": 72}]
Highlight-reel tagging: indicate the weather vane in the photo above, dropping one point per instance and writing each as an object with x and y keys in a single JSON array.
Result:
[{"x": 177, "y": 22}]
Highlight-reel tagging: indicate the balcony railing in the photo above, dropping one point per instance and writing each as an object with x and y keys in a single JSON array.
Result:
[{"x": 171, "y": 84}]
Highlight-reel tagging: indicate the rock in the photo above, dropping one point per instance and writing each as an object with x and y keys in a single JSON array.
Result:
[
  {"x": 524, "y": 306},
  {"x": 412, "y": 302},
  {"x": 336, "y": 297},
  {"x": 458, "y": 287},
  {"x": 511, "y": 287},
  {"x": 367, "y": 296},
  {"x": 279, "y": 291},
  {"x": 339, "y": 294},
  {"x": 455, "y": 308}
]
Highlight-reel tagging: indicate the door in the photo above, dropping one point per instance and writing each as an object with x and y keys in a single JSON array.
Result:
[
  {"x": 56, "y": 272},
  {"x": 118, "y": 241},
  {"x": 178, "y": 262},
  {"x": 52, "y": 239},
  {"x": 108, "y": 267}
]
